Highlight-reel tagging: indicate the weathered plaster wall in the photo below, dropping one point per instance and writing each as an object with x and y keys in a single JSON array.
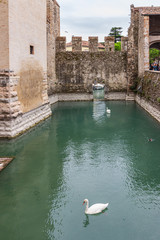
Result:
[
  {"x": 77, "y": 71},
  {"x": 30, "y": 85},
  {"x": 27, "y": 26},
  {"x": 4, "y": 35}
]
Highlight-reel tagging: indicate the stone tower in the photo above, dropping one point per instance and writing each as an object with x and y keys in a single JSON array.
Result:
[{"x": 23, "y": 65}]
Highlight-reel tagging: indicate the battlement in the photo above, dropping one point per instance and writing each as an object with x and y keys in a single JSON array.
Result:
[{"x": 92, "y": 45}]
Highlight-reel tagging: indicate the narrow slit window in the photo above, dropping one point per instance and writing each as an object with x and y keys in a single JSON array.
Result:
[{"x": 31, "y": 49}]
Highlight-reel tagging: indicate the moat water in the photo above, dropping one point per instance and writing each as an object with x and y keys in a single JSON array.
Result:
[{"x": 82, "y": 152}]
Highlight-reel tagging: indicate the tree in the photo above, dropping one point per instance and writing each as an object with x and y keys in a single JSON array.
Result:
[
  {"x": 154, "y": 54},
  {"x": 117, "y": 46},
  {"x": 116, "y": 32}
]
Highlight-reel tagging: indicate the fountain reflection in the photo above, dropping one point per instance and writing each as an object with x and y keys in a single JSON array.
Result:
[
  {"x": 98, "y": 94},
  {"x": 99, "y": 111}
]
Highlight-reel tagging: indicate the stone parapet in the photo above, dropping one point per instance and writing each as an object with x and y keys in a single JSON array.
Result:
[
  {"x": 61, "y": 44},
  {"x": 109, "y": 44},
  {"x": 76, "y": 44},
  {"x": 93, "y": 44},
  {"x": 124, "y": 44}
]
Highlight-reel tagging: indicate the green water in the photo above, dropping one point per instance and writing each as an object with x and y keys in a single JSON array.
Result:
[{"x": 81, "y": 152}]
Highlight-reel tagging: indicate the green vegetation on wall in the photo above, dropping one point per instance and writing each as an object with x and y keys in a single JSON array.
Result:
[
  {"x": 154, "y": 54},
  {"x": 158, "y": 99}
]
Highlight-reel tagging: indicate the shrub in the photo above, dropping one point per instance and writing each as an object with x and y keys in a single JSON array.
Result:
[{"x": 158, "y": 99}]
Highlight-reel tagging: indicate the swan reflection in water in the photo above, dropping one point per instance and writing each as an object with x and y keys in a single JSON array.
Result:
[{"x": 86, "y": 221}]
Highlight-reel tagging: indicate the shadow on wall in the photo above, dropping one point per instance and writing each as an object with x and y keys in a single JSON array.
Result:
[{"x": 30, "y": 86}]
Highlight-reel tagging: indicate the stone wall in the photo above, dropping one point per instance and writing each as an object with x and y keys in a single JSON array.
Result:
[
  {"x": 149, "y": 88},
  {"x": 53, "y": 31},
  {"x": 132, "y": 59},
  {"x": 13, "y": 120},
  {"x": 76, "y": 71}
]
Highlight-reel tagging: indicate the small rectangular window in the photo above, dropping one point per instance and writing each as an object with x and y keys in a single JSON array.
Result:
[{"x": 31, "y": 49}]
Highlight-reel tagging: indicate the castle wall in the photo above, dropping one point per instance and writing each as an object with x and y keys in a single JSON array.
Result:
[
  {"x": 53, "y": 31},
  {"x": 76, "y": 71}
]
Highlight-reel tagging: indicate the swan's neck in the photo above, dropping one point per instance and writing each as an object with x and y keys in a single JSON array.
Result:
[{"x": 87, "y": 206}]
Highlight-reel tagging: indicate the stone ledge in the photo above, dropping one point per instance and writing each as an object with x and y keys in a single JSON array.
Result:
[
  {"x": 4, "y": 162},
  {"x": 154, "y": 112},
  {"x": 24, "y": 122}
]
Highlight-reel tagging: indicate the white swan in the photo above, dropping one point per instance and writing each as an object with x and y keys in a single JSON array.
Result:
[
  {"x": 108, "y": 110},
  {"x": 95, "y": 208}
]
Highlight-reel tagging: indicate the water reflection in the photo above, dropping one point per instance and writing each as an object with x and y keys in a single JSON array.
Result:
[
  {"x": 99, "y": 111},
  {"x": 108, "y": 115},
  {"x": 98, "y": 94},
  {"x": 86, "y": 221}
]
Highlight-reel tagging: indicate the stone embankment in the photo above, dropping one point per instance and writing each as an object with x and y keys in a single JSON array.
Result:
[
  {"x": 153, "y": 111},
  {"x": 13, "y": 121}
]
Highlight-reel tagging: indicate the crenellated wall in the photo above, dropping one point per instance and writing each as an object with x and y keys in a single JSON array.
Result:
[{"x": 76, "y": 71}]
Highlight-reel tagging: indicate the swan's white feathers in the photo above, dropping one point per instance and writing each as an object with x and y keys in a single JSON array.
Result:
[{"x": 95, "y": 208}]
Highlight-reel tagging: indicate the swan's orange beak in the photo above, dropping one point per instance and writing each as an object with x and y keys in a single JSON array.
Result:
[{"x": 83, "y": 202}]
